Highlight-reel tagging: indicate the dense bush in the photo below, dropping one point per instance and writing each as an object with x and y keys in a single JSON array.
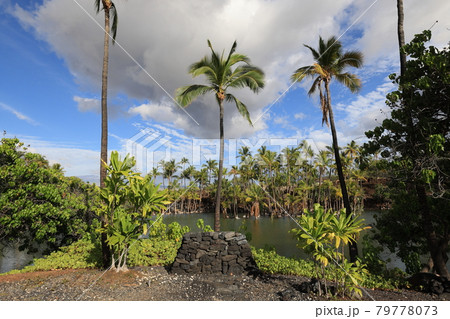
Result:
[
  {"x": 153, "y": 252},
  {"x": 270, "y": 262},
  {"x": 38, "y": 204}
]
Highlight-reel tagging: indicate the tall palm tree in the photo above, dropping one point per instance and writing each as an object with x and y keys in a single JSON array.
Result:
[
  {"x": 222, "y": 73},
  {"x": 110, "y": 10},
  {"x": 331, "y": 62}
]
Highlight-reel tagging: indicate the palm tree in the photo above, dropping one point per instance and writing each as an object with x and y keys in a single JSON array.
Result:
[
  {"x": 330, "y": 62},
  {"x": 183, "y": 162},
  {"x": 221, "y": 76},
  {"x": 211, "y": 166},
  {"x": 110, "y": 10},
  {"x": 169, "y": 170}
]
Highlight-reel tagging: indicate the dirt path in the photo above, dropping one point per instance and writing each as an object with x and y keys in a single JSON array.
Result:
[{"x": 154, "y": 283}]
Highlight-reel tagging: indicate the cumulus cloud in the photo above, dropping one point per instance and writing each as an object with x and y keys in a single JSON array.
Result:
[
  {"x": 158, "y": 40},
  {"x": 365, "y": 112},
  {"x": 87, "y": 104},
  {"x": 164, "y": 38}
]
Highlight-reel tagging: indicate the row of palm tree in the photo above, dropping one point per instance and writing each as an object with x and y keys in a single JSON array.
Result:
[{"x": 267, "y": 182}]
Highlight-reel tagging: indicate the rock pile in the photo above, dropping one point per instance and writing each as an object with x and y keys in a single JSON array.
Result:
[{"x": 214, "y": 252}]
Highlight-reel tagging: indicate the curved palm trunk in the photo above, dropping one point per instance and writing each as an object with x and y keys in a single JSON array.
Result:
[
  {"x": 348, "y": 210},
  {"x": 219, "y": 175}
]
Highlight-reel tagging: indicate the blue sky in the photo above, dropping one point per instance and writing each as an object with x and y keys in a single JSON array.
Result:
[{"x": 51, "y": 74}]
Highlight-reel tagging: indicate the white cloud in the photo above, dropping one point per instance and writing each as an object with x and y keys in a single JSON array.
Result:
[
  {"x": 299, "y": 116},
  {"x": 75, "y": 160},
  {"x": 18, "y": 114},
  {"x": 87, "y": 104},
  {"x": 365, "y": 112},
  {"x": 166, "y": 37}
]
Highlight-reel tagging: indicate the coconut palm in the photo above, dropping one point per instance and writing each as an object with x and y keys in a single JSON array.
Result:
[
  {"x": 183, "y": 162},
  {"x": 222, "y": 73},
  {"x": 110, "y": 10},
  {"x": 331, "y": 62},
  {"x": 169, "y": 169},
  {"x": 211, "y": 166}
]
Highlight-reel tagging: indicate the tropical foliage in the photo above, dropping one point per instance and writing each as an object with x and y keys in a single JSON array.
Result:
[
  {"x": 222, "y": 73},
  {"x": 38, "y": 204},
  {"x": 331, "y": 62},
  {"x": 270, "y": 183},
  {"x": 324, "y": 235},
  {"x": 129, "y": 200},
  {"x": 415, "y": 146}
]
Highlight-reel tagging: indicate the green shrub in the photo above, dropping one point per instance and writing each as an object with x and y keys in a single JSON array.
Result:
[
  {"x": 270, "y": 262},
  {"x": 152, "y": 252}
]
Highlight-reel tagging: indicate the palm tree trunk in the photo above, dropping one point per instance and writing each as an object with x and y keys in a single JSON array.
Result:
[
  {"x": 106, "y": 254},
  {"x": 401, "y": 36},
  {"x": 219, "y": 177},
  {"x": 348, "y": 210}
]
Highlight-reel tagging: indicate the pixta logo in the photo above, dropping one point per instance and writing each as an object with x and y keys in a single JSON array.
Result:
[{"x": 151, "y": 147}]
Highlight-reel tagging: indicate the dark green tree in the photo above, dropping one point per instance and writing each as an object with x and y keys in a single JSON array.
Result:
[
  {"x": 37, "y": 203},
  {"x": 416, "y": 143}
]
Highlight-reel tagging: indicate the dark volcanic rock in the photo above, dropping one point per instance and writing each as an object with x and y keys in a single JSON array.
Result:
[{"x": 214, "y": 252}]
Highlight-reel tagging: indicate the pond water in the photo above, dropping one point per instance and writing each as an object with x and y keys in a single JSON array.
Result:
[{"x": 266, "y": 232}]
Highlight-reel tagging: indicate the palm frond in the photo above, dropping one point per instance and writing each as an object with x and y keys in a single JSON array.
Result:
[
  {"x": 320, "y": 71},
  {"x": 302, "y": 72},
  {"x": 317, "y": 82},
  {"x": 97, "y": 6},
  {"x": 232, "y": 50},
  {"x": 236, "y": 58},
  {"x": 247, "y": 76},
  {"x": 186, "y": 94},
  {"x": 215, "y": 60},
  {"x": 329, "y": 51},
  {"x": 240, "y": 106},
  {"x": 352, "y": 58},
  {"x": 316, "y": 55},
  {"x": 323, "y": 105},
  {"x": 201, "y": 67},
  {"x": 115, "y": 22},
  {"x": 349, "y": 80}
]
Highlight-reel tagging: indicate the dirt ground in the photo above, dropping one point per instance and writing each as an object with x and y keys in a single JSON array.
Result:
[{"x": 156, "y": 284}]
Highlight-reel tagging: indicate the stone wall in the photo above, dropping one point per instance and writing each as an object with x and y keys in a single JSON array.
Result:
[{"x": 214, "y": 252}]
